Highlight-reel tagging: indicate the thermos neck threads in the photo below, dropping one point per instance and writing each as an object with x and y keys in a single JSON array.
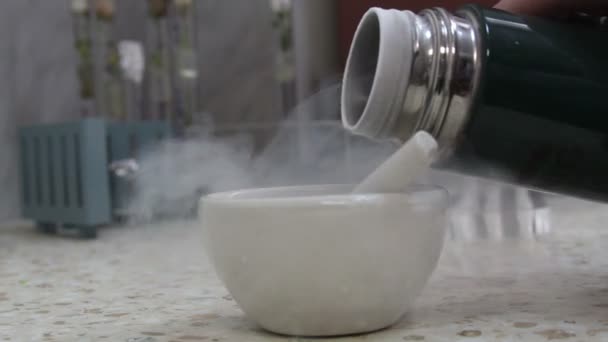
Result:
[{"x": 408, "y": 72}]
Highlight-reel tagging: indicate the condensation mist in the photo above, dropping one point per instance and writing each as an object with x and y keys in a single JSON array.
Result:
[{"x": 309, "y": 147}]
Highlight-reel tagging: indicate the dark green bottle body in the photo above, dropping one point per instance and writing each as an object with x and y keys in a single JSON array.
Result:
[{"x": 540, "y": 113}]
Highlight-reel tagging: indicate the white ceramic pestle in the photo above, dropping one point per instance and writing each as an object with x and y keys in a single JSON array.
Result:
[{"x": 404, "y": 166}]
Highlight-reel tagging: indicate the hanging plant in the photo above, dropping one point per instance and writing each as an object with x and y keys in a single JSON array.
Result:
[
  {"x": 113, "y": 86},
  {"x": 183, "y": 6},
  {"x": 80, "y": 7},
  {"x": 104, "y": 10},
  {"x": 282, "y": 23},
  {"x": 184, "y": 23},
  {"x": 158, "y": 8},
  {"x": 113, "y": 59},
  {"x": 158, "y": 60},
  {"x": 83, "y": 45},
  {"x": 185, "y": 58},
  {"x": 85, "y": 68},
  {"x": 86, "y": 78}
]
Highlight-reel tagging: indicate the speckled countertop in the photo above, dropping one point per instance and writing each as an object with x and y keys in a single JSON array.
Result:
[{"x": 153, "y": 283}]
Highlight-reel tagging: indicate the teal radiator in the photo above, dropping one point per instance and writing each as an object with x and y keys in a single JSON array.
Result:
[{"x": 65, "y": 179}]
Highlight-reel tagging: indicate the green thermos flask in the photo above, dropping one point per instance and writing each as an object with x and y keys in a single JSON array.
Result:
[{"x": 521, "y": 99}]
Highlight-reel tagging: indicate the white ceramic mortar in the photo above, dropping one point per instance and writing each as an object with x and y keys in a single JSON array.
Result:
[{"x": 319, "y": 261}]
